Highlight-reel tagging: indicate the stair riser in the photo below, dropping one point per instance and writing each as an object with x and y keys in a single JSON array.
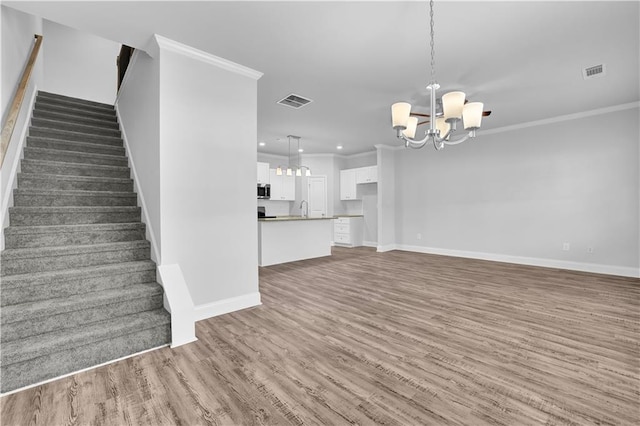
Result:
[
  {"x": 74, "y": 170},
  {"x": 107, "y": 123},
  {"x": 37, "y": 219},
  {"x": 63, "y": 103},
  {"x": 28, "y": 291},
  {"x": 77, "y": 111},
  {"x": 74, "y": 157},
  {"x": 24, "y": 373},
  {"x": 72, "y": 200},
  {"x": 70, "y": 320},
  {"x": 59, "y": 262},
  {"x": 91, "y": 148},
  {"x": 37, "y": 182},
  {"x": 71, "y": 136},
  {"x": 74, "y": 127},
  {"x": 51, "y": 239}
]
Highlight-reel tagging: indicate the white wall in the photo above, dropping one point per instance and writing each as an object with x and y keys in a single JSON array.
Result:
[
  {"x": 79, "y": 64},
  {"x": 138, "y": 106},
  {"x": 525, "y": 192},
  {"x": 387, "y": 197},
  {"x": 17, "y": 41},
  {"x": 208, "y": 132}
]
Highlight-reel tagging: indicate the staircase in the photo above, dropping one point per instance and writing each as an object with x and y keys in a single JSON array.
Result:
[{"x": 77, "y": 286}]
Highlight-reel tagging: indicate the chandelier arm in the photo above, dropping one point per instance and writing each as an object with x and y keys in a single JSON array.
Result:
[{"x": 458, "y": 141}]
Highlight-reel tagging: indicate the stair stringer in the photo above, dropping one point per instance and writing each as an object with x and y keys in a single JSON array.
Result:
[
  {"x": 13, "y": 162},
  {"x": 177, "y": 299}
]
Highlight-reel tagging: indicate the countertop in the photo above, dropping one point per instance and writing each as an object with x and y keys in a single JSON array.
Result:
[
  {"x": 349, "y": 215},
  {"x": 288, "y": 218}
]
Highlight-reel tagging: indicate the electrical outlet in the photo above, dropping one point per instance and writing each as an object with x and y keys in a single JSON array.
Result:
[
  {"x": 590, "y": 250},
  {"x": 566, "y": 246},
  {"x": 418, "y": 236}
]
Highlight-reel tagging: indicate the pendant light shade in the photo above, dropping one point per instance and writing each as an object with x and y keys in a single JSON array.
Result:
[
  {"x": 279, "y": 171},
  {"x": 299, "y": 172},
  {"x": 452, "y": 104},
  {"x": 400, "y": 114},
  {"x": 472, "y": 115},
  {"x": 412, "y": 125},
  {"x": 308, "y": 172},
  {"x": 443, "y": 126}
]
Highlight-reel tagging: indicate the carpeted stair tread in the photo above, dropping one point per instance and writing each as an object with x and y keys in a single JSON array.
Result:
[
  {"x": 66, "y": 182},
  {"x": 56, "y": 215},
  {"x": 73, "y": 169},
  {"x": 49, "y": 95},
  {"x": 33, "y": 287},
  {"x": 35, "y": 252},
  {"x": 44, "y": 344},
  {"x": 61, "y": 142},
  {"x": 64, "y": 103},
  {"x": 49, "y": 197},
  {"x": 44, "y": 308},
  {"x": 74, "y": 127},
  {"x": 68, "y": 135},
  {"x": 106, "y": 122},
  {"x": 36, "y": 279},
  {"x": 75, "y": 157},
  {"x": 63, "y": 235},
  {"x": 71, "y": 360},
  {"x": 75, "y": 110}
]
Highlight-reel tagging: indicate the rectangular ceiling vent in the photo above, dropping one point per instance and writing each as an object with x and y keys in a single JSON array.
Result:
[
  {"x": 595, "y": 71},
  {"x": 294, "y": 101}
]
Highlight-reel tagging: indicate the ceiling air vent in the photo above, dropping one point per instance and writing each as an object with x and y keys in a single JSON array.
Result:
[
  {"x": 595, "y": 71},
  {"x": 294, "y": 101}
]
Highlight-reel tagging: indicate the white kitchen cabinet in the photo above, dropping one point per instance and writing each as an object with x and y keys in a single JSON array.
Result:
[
  {"x": 263, "y": 173},
  {"x": 348, "y": 231},
  {"x": 367, "y": 174},
  {"x": 348, "y": 184},
  {"x": 283, "y": 187}
]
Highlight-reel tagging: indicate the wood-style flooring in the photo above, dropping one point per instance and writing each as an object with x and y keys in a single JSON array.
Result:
[{"x": 392, "y": 338}]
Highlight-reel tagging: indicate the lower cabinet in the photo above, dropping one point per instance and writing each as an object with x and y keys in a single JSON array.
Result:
[{"x": 348, "y": 231}]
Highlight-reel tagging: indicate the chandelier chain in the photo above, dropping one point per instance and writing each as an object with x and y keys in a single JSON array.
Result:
[{"x": 433, "y": 60}]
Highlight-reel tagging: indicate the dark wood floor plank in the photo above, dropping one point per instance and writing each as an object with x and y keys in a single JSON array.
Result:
[{"x": 391, "y": 338}]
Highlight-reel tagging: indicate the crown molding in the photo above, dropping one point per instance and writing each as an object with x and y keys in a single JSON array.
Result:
[
  {"x": 561, "y": 118},
  {"x": 199, "y": 55}
]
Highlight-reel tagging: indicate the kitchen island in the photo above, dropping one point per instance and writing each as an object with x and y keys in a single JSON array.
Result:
[{"x": 289, "y": 238}]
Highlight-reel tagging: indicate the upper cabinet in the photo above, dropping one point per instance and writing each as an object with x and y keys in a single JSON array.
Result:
[
  {"x": 283, "y": 187},
  {"x": 263, "y": 173},
  {"x": 348, "y": 184},
  {"x": 367, "y": 174},
  {"x": 350, "y": 178}
]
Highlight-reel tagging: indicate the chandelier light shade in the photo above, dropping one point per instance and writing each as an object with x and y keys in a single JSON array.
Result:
[
  {"x": 452, "y": 104},
  {"x": 472, "y": 115},
  {"x": 442, "y": 124}
]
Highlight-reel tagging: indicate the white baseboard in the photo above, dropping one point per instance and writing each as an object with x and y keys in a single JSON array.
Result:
[
  {"x": 531, "y": 261},
  {"x": 225, "y": 306},
  {"x": 7, "y": 188},
  {"x": 386, "y": 247},
  {"x": 370, "y": 244},
  {"x": 150, "y": 232}
]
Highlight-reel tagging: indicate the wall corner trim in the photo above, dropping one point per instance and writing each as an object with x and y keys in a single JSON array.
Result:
[
  {"x": 183, "y": 325},
  {"x": 225, "y": 306},
  {"x": 594, "y": 268},
  {"x": 192, "y": 52}
]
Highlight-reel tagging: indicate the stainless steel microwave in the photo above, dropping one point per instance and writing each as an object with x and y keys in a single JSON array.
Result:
[{"x": 264, "y": 191}]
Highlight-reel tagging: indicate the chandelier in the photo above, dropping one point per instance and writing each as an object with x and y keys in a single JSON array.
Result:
[
  {"x": 443, "y": 123},
  {"x": 297, "y": 169}
]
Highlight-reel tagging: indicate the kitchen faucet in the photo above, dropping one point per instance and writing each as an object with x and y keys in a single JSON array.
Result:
[{"x": 307, "y": 211}]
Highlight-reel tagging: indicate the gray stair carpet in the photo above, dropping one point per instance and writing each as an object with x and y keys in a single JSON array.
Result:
[{"x": 77, "y": 284}]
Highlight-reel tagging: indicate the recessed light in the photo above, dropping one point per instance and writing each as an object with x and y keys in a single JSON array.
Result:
[
  {"x": 262, "y": 144},
  {"x": 339, "y": 147},
  {"x": 300, "y": 150}
]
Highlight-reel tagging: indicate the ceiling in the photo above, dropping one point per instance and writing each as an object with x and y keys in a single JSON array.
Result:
[{"x": 524, "y": 60}]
